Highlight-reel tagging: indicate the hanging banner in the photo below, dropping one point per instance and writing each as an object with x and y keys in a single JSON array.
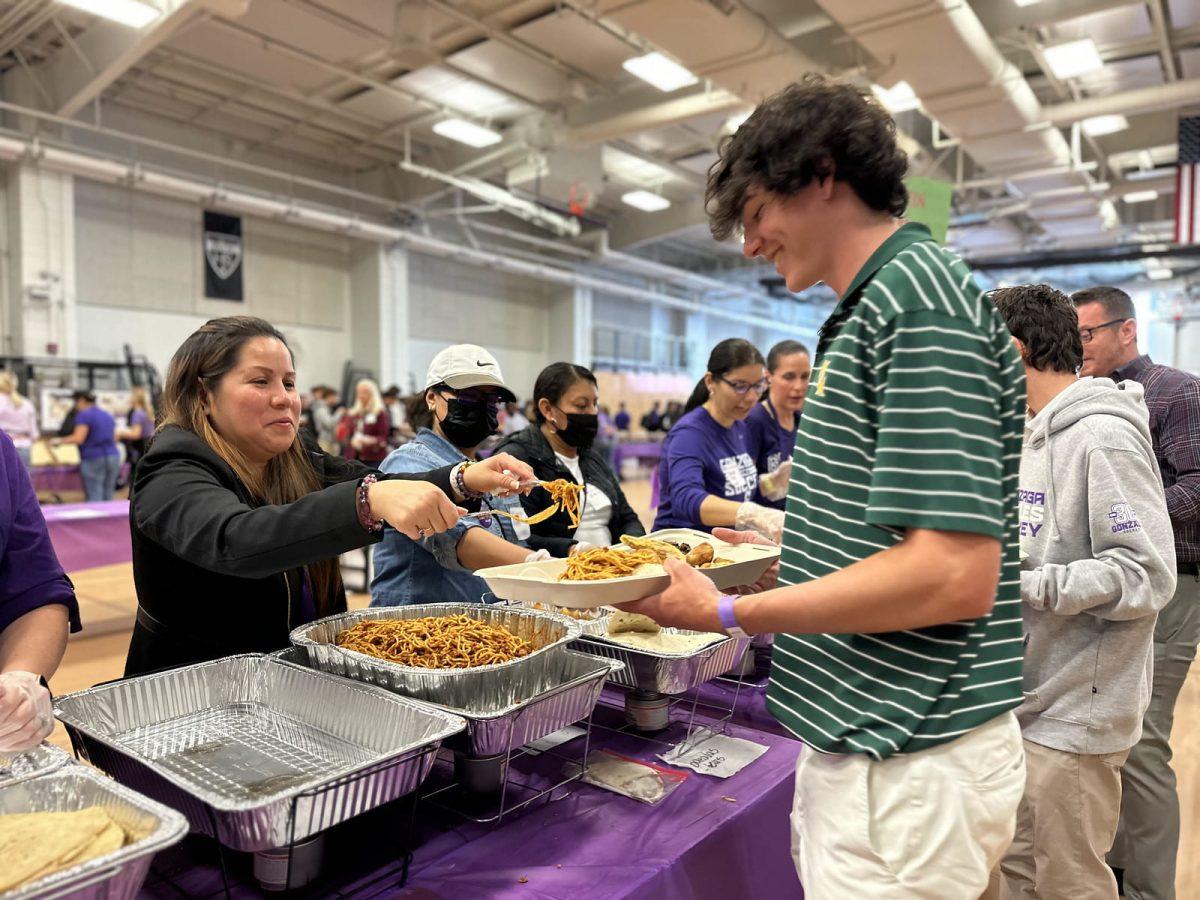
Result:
[
  {"x": 222, "y": 256},
  {"x": 929, "y": 204}
]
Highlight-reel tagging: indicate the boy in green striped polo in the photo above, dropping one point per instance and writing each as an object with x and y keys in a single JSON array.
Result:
[{"x": 898, "y": 650}]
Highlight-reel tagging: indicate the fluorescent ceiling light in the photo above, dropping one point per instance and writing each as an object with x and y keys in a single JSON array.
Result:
[
  {"x": 1155, "y": 248},
  {"x": 1026, "y": 2},
  {"x": 1073, "y": 58},
  {"x": 899, "y": 98},
  {"x": 1140, "y": 196},
  {"x": 133, "y": 13},
  {"x": 1098, "y": 125},
  {"x": 1159, "y": 274},
  {"x": 645, "y": 201},
  {"x": 662, "y": 72},
  {"x": 467, "y": 133}
]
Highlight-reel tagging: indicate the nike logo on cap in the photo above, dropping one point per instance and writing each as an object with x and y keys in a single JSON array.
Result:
[{"x": 482, "y": 364}]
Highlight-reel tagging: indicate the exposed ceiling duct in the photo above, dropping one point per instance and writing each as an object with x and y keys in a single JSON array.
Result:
[
  {"x": 503, "y": 200},
  {"x": 974, "y": 94},
  {"x": 226, "y": 197}
]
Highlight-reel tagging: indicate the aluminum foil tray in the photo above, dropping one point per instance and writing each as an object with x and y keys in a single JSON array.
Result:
[
  {"x": 552, "y": 697},
  {"x": 248, "y": 747},
  {"x": 459, "y": 688},
  {"x": 667, "y": 673},
  {"x": 43, "y": 758},
  {"x": 150, "y": 826}
]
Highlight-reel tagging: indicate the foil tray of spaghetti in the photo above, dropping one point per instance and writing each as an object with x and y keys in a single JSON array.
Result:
[
  {"x": 667, "y": 673},
  {"x": 255, "y": 751},
  {"x": 550, "y": 697},
  {"x": 43, "y": 758},
  {"x": 149, "y": 827},
  {"x": 549, "y": 634}
]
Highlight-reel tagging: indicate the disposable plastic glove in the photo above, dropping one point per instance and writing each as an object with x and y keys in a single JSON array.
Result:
[
  {"x": 774, "y": 484},
  {"x": 766, "y": 521},
  {"x": 537, "y": 556},
  {"x": 26, "y": 717}
]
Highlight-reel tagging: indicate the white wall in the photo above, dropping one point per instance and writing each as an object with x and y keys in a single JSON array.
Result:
[
  {"x": 140, "y": 281},
  {"x": 512, "y": 317}
]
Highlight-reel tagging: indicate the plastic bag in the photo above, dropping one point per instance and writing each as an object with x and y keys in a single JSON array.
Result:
[{"x": 646, "y": 782}]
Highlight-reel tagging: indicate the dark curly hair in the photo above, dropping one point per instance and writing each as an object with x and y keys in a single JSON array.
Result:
[
  {"x": 810, "y": 129},
  {"x": 1045, "y": 321}
]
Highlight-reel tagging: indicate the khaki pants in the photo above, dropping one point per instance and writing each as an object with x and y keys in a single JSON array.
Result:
[
  {"x": 1065, "y": 825},
  {"x": 920, "y": 826},
  {"x": 1148, "y": 836}
]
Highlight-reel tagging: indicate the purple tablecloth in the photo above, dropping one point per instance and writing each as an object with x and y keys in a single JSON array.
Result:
[
  {"x": 647, "y": 451},
  {"x": 86, "y": 535},
  {"x": 63, "y": 479},
  {"x": 711, "y": 838}
]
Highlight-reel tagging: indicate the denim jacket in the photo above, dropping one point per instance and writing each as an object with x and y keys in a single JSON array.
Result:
[{"x": 428, "y": 571}]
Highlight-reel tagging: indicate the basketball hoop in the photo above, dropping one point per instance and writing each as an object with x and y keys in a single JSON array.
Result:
[{"x": 579, "y": 198}]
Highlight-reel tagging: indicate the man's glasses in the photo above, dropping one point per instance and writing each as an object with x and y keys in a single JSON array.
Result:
[
  {"x": 741, "y": 388},
  {"x": 1085, "y": 334}
]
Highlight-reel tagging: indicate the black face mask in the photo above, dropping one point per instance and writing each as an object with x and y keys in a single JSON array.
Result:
[
  {"x": 468, "y": 424},
  {"x": 581, "y": 430}
]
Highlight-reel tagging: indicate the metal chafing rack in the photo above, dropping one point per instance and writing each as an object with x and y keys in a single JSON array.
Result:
[
  {"x": 255, "y": 751},
  {"x": 506, "y": 706}
]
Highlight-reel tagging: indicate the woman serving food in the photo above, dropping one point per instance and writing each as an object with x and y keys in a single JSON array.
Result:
[
  {"x": 559, "y": 447},
  {"x": 237, "y": 525},
  {"x": 464, "y": 388}
]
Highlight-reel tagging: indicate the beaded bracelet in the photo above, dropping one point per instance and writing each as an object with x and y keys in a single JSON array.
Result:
[
  {"x": 365, "y": 518},
  {"x": 460, "y": 483}
]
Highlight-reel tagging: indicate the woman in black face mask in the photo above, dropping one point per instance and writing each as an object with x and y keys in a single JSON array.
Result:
[
  {"x": 559, "y": 444},
  {"x": 464, "y": 390}
]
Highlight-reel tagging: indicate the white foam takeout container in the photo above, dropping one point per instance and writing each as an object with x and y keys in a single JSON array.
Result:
[{"x": 537, "y": 582}]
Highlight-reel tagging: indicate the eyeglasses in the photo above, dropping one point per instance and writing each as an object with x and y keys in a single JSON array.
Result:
[
  {"x": 741, "y": 388},
  {"x": 1085, "y": 334}
]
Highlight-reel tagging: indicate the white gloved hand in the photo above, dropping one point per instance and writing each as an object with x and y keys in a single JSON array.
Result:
[
  {"x": 774, "y": 484},
  {"x": 26, "y": 716},
  {"x": 766, "y": 521},
  {"x": 538, "y": 556},
  {"x": 580, "y": 547}
]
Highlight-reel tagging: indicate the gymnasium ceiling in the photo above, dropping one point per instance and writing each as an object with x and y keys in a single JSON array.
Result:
[{"x": 349, "y": 91}]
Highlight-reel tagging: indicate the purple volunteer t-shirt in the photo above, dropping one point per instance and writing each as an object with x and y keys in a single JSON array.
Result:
[
  {"x": 702, "y": 457},
  {"x": 139, "y": 417},
  {"x": 99, "y": 441},
  {"x": 30, "y": 574},
  {"x": 770, "y": 444}
]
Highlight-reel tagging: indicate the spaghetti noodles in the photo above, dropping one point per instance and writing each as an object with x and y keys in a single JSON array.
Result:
[
  {"x": 435, "y": 642},
  {"x": 563, "y": 495},
  {"x": 601, "y": 563}
]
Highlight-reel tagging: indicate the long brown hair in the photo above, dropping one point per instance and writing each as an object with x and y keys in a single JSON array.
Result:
[{"x": 201, "y": 361}]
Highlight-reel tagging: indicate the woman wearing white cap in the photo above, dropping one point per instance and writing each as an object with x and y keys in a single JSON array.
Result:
[{"x": 463, "y": 392}]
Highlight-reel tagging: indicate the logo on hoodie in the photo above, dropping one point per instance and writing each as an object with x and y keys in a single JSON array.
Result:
[
  {"x": 1033, "y": 512},
  {"x": 1124, "y": 519}
]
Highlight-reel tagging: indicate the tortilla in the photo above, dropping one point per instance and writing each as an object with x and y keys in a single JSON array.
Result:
[
  {"x": 664, "y": 642},
  {"x": 621, "y": 622},
  {"x": 34, "y": 845}
]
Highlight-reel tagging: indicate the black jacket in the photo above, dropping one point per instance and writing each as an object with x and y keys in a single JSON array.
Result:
[
  {"x": 216, "y": 575},
  {"x": 556, "y": 534}
]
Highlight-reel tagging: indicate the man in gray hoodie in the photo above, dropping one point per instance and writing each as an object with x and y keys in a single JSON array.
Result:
[{"x": 1098, "y": 562}]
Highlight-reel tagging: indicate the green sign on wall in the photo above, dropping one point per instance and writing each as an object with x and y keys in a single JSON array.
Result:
[{"x": 929, "y": 204}]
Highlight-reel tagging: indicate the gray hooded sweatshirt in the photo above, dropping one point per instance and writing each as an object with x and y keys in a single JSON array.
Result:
[{"x": 1098, "y": 562}]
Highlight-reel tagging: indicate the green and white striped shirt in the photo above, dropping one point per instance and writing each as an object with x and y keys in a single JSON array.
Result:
[{"x": 913, "y": 419}]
